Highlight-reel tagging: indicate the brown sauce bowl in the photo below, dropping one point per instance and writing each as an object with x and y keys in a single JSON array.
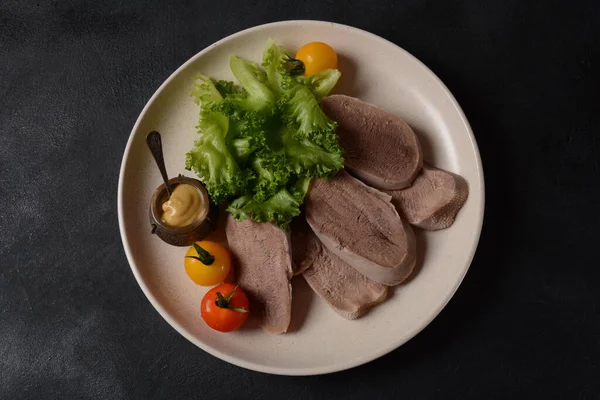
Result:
[{"x": 183, "y": 235}]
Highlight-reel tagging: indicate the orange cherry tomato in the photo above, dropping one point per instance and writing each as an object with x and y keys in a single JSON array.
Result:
[
  {"x": 317, "y": 56},
  {"x": 207, "y": 263},
  {"x": 225, "y": 308}
]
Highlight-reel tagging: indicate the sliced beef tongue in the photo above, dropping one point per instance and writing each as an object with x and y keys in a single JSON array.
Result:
[
  {"x": 379, "y": 148},
  {"x": 344, "y": 289},
  {"x": 434, "y": 199},
  {"x": 263, "y": 254},
  {"x": 300, "y": 235},
  {"x": 360, "y": 225}
]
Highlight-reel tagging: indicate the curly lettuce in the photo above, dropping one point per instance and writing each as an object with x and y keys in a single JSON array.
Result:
[
  {"x": 255, "y": 101},
  {"x": 278, "y": 209},
  {"x": 322, "y": 83},
  {"x": 210, "y": 158},
  {"x": 261, "y": 143}
]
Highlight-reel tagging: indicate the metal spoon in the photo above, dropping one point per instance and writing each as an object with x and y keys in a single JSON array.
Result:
[{"x": 155, "y": 145}]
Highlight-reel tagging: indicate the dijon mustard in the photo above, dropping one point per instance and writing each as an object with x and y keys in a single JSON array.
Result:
[{"x": 183, "y": 207}]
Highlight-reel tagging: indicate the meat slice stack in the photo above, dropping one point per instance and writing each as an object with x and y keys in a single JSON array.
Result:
[
  {"x": 360, "y": 225},
  {"x": 362, "y": 228},
  {"x": 384, "y": 152},
  {"x": 343, "y": 288}
]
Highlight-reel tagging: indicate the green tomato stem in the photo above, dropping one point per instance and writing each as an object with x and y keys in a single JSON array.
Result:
[
  {"x": 203, "y": 256},
  {"x": 294, "y": 66},
  {"x": 223, "y": 302}
]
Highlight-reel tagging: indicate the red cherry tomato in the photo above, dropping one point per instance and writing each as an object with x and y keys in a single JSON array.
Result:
[{"x": 225, "y": 308}]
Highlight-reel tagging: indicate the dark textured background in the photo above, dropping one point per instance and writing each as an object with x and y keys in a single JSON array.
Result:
[{"x": 74, "y": 77}]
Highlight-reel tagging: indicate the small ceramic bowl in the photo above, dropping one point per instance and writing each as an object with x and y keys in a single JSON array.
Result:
[{"x": 185, "y": 235}]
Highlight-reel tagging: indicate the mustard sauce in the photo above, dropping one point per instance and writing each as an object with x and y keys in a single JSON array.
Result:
[{"x": 183, "y": 207}]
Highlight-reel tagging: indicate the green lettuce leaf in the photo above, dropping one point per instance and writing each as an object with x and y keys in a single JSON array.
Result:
[
  {"x": 253, "y": 79},
  {"x": 305, "y": 158},
  {"x": 279, "y": 209},
  {"x": 210, "y": 157},
  {"x": 245, "y": 137},
  {"x": 272, "y": 173},
  {"x": 279, "y": 66},
  {"x": 225, "y": 88},
  {"x": 205, "y": 93},
  {"x": 301, "y": 110},
  {"x": 322, "y": 83},
  {"x": 256, "y": 99}
]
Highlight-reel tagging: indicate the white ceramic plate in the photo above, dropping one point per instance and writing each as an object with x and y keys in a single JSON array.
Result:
[{"x": 319, "y": 340}]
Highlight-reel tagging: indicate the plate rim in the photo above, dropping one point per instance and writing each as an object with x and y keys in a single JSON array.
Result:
[{"x": 303, "y": 371}]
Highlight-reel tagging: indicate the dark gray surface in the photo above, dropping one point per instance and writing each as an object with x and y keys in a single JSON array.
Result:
[{"x": 73, "y": 322}]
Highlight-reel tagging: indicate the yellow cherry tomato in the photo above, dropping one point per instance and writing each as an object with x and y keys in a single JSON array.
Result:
[
  {"x": 207, "y": 263},
  {"x": 317, "y": 56}
]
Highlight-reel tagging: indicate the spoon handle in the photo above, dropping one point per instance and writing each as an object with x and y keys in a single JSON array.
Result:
[{"x": 155, "y": 145}]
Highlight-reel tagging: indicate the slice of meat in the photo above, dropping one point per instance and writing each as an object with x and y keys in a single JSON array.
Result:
[
  {"x": 263, "y": 254},
  {"x": 360, "y": 225},
  {"x": 348, "y": 292},
  {"x": 433, "y": 200},
  {"x": 379, "y": 148},
  {"x": 300, "y": 234}
]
